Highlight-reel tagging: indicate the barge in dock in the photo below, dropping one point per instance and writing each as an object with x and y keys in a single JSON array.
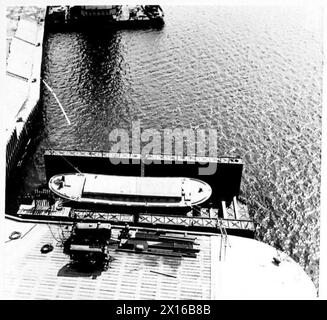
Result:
[{"x": 130, "y": 191}]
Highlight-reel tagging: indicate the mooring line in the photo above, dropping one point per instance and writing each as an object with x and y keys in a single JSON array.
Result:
[{"x": 62, "y": 109}]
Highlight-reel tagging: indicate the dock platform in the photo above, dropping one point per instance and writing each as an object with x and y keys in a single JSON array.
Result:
[
  {"x": 205, "y": 219},
  {"x": 243, "y": 268}
]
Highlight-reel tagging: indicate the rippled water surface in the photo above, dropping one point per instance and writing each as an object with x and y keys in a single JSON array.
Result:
[{"x": 253, "y": 74}]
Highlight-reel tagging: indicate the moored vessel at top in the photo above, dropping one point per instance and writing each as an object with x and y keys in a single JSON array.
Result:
[{"x": 130, "y": 190}]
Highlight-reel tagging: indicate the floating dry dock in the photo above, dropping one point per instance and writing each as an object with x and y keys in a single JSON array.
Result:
[
  {"x": 224, "y": 177},
  {"x": 223, "y": 210}
]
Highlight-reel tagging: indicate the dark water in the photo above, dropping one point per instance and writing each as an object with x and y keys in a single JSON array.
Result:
[{"x": 253, "y": 74}]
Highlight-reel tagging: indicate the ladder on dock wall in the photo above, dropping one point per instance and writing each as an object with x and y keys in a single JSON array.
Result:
[{"x": 223, "y": 240}]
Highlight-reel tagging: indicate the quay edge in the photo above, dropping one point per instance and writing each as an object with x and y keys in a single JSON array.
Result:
[{"x": 23, "y": 82}]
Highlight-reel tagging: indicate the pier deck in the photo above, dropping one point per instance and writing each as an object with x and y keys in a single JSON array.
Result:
[
  {"x": 32, "y": 275},
  {"x": 241, "y": 269}
]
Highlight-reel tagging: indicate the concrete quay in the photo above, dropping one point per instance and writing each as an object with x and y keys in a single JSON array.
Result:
[
  {"x": 237, "y": 268},
  {"x": 25, "y": 31}
]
